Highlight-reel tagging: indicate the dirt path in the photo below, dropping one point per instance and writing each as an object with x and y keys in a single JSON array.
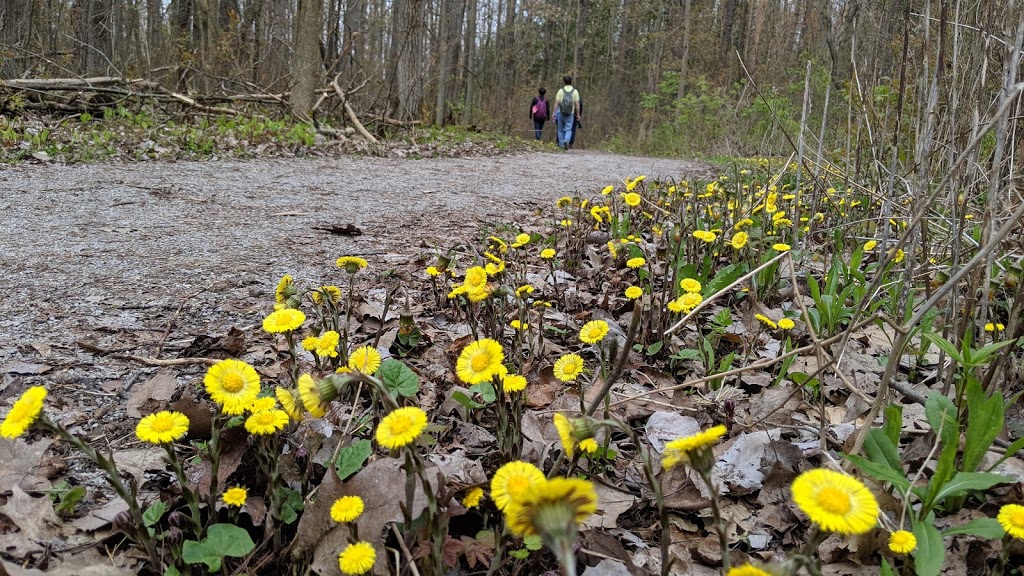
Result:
[{"x": 145, "y": 257}]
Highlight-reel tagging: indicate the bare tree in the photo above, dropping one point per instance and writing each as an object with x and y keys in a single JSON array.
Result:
[{"x": 306, "y": 60}]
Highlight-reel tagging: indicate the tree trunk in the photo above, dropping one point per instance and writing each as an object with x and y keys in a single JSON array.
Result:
[
  {"x": 582, "y": 17},
  {"x": 469, "y": 63},
  {"x": 155, "y": 33},
  {"x": 684, "y": 57},
  {"x": 506, "y": 49},
  {"x": 406, "y": 66},
  {"x": 306, "y": 60}
]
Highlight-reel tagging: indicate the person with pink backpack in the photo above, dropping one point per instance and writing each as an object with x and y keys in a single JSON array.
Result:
[{"x": 540, "y": 112}]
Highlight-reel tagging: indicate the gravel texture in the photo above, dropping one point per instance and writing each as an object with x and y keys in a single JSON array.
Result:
[{"x": 142, "y": 258}]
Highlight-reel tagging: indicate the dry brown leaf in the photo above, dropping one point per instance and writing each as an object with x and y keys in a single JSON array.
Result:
[
  {"x": 138, "y": 460},
  {"x": 607, "y": 567},
  {"x": 739, "y": 468},
  {"x": 100, "y": 517},
  {"x": 19, "y": 367},
  {"x": 663, "y": 427},
  {"x": 86, "y": 563},
  {"x": 152, "y": 395},
  {"x": 234, "y": 443},
  {"x": 544, "y": 390},
  {"x": 35, "y": 520},
  {"x": 19, "y": 465},
  {"x": 381, "y": 485},
  {"x": 200, "y": 418},
  {"x": 611, "y": 503}
]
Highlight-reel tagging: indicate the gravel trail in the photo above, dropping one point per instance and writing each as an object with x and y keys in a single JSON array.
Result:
[{"x": 146, "y": 256}]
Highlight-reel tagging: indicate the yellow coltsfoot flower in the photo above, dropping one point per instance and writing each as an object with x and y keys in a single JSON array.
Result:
[
  {"x": 233, "y": 385},
  {"x": 694, "y": 450},
  {"x": 1011, "y": 518},
  {"x": 902, "y": 542},
  {"x": 162, "y": 427},
  {"x": 24, "y": 412},
  {"x": 235, "y": 496},
  {"x": 512, "y": 481},
  {"x": 480, "y": 361},
  {"x": 347, "y": 509},
  {"x": 401, "y": 427},
  {"x": 357, "y": 558},
  {"x": 835, "y": 501}
]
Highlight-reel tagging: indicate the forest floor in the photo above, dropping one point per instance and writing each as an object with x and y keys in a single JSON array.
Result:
[
  {"x": 124, "y": 280},
  {"x": 166, "y": 260}
]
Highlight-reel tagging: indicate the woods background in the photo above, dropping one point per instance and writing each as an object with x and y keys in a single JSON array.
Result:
[{"x": 656, "y": 75}]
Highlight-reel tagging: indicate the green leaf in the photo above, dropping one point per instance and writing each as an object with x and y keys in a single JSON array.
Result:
[
  {"x": 814, "y": 288},
  {"x": 893, "y": 423},
  {"x": 171, "y": 571},
  {"x": 520, "y": 554},
  {"x": 804, "y": 380},
  {"x": 486, "y": 390},
  {"x": 930, "y": 552},
  {"x": 154, "y": 513},
  {"x": 1013, "y": 449},
  {"x": 983, "y": 355},
  {"x": 941, "y": 415},
  {"x": 193, "y": 552},
  {"x": 880, "y": 472},
  {"x": 987, "y": 528},
  {"x": 655, "y": 348},
  {"x": 398, "y": 378},
  {"x": 221, "y": 540},
  {"x": 351, "y": 458},
  {"x": 948, "y": 347},
  {"x": 984, "y": 423},
  {"x": 230, "y": 540},
  {"x": 291, "y": 504},
  {"x": 687, "y": 354},
  {"x": 533, "y": 543},
  {"x": 69, "y": 500},
  {"x": 964, "y": 481},
  {"x": 466, "y": 401},
  {"x": 723, "y": 278},
  {"x": 723, "y": 319},
  {"x": 881, "y": 450},
  {"x": 887, "y": 569}
]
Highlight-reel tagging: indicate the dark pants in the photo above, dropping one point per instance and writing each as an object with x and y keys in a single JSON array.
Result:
[{"x": 538, "y": 129}]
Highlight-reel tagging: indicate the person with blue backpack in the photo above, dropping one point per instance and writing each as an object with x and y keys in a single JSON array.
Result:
[
  {"x": 540, "y": 112},
  {"x": 567, "y": 111}
]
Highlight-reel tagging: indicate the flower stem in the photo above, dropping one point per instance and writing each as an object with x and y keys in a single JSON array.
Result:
[
  {"x": 186, "y": 491},
  {"x": 113, "y": 478},
  {"x": 723, "y": 537}
]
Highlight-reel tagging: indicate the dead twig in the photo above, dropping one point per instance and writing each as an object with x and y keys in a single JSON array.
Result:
[{"x": 143, "y": 359}]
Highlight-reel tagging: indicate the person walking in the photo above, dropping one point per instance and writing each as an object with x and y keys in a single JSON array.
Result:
[
  {"x": 540, "y": 112},
  {"x": 577, "y": 124},
  {"x": 567, "y": 110}
]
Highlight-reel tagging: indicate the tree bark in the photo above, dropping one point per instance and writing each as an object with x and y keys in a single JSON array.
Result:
[
  {"x": 684, "y": 57},
  {"x": 469, "y": 62},
  {"x": 582, "y": 18},
  {"x": 306, "y": 61}
]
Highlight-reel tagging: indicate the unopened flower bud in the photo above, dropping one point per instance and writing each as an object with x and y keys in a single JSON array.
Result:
[
  {"x": 177, "y": 519},
  {"x": 331, "y": 386},
  {"x": 729, "y": 407},
  {"x": 123, "y": 522},
  {"x": 174, "y": 536}
]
